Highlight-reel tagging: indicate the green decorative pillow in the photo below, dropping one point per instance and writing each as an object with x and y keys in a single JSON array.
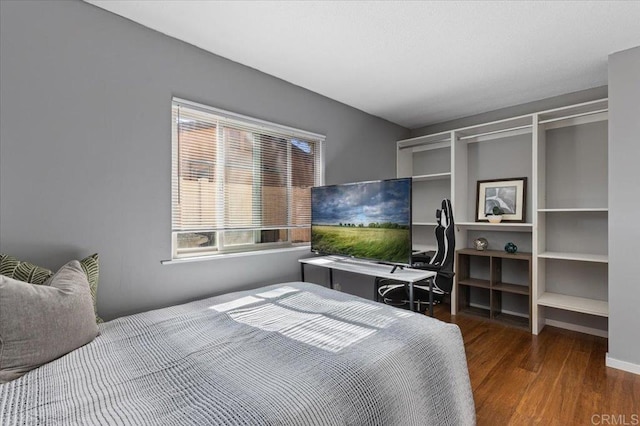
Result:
[
  {"x": 23, "y": 271},
  {"x": 27, "y": 272},
  {"x": 91, "y": 268}
]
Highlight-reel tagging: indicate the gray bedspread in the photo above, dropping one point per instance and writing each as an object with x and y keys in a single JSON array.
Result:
[{"x": 286, "y": 354}]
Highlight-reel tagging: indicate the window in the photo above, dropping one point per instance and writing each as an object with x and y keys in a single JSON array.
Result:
[{"x": 239, "y": 184}]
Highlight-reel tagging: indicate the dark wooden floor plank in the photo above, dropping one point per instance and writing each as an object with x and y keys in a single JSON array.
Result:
[
  {"x": 556, "y": 378},
  {"x": 567, "y": 395}
]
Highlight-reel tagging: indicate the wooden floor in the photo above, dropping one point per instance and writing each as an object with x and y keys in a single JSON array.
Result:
[{"x": 556, "y": 378}]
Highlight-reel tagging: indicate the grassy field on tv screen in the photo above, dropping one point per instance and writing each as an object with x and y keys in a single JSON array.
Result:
[{"x": 391, "y": 245}]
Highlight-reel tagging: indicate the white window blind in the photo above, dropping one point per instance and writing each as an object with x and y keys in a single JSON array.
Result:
[{"x": 239, "y": 184}]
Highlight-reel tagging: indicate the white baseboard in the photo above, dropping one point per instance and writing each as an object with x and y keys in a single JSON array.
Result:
[
  {"x": 578, "y": 328},
  {"x": 622, "y": 365},
  {"x": 554, "y": 323}
]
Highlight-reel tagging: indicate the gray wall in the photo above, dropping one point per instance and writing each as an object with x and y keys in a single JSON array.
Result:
[
  {"x": 85, "y": 148},
  {"x": 624, "y": 205}
]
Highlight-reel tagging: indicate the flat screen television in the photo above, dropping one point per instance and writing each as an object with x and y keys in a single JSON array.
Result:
[{"x": 365, "y": 220}]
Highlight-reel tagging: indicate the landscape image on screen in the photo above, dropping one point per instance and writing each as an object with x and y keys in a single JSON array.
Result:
[{"x": 368, "y": 220}]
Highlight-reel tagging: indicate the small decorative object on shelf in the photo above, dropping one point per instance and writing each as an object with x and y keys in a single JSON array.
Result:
[
  {"x": 481, "y": 243},
  {"x": 510, "y": 248},
  {"x": 495, "y": 216}
]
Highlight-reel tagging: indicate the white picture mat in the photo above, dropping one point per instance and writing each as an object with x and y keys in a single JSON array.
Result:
[{"x": 519, "y": 198}]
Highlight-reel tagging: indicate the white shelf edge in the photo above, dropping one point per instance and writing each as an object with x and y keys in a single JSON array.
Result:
[
  {"x": 577, "y": 209},
  {"x": 424, "y": 223},
  {"x": 425, "y": 139},
  {"x": 433, "y": 176},
  {"x": 572, "y": 116},
  {"x": 429, "y": 146},
  {"x": 582, "y": 257},
  {"x": 576, "y": 106},
  {"x": 496, "y": 123},
  {"x": 497, "y": 225},
  {"x": 517, "y": 227},
  {"x": 574, "y": 304},
  {"x": 577, "y": 120},
  {"x": 497, "y": 134}
]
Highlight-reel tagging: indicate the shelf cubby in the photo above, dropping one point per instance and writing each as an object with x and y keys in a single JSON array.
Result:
[
  {"x": 472, "y": 267},
  {"x": 427, "y": 160},
  {"x": 430, "y": 193}
]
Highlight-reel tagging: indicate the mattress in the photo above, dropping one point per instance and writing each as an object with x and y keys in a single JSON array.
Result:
[{"x": 285, "y": 354}]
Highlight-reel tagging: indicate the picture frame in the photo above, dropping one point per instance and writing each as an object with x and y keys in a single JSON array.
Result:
[{"x": 510, "y": 194}]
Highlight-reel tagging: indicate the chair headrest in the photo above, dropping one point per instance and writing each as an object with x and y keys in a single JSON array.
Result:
[{"x": 445, "y": 214}]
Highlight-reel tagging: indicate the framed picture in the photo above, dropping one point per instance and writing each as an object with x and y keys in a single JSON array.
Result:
[{"x": 509, "y": 194}]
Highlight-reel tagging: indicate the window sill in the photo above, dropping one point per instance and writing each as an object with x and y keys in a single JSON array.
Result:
[{"x": 306, "y": 248}]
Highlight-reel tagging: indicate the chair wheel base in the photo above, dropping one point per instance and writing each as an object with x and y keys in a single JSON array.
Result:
[{"x": 404, "y": 304}]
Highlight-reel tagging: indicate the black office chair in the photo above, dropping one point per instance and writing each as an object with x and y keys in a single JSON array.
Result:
[{"x": 396, "y": 293}]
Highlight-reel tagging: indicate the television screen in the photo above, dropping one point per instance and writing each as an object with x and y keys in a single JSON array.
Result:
[{"x": 367, "y": 220}]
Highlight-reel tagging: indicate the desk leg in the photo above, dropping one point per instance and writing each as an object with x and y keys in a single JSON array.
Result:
[
  {"x": 331, "y": 278},
  {"x": 411, "y": 297},
  {"x": 431, "y": 296},
  {"x": 302, "y": 272}
]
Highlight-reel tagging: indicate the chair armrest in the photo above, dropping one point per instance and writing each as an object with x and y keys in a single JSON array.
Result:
[
  {"x": 428, "y": 267},
  {"x": 423, "y": 257},
  {"x": 447, "y": 274}
]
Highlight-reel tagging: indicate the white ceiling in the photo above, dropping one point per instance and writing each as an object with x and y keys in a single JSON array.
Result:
[{"x": 412, "y": 63}]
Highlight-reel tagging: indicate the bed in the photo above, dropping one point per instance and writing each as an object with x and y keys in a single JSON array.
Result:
[{"x": 285, "y": 354}]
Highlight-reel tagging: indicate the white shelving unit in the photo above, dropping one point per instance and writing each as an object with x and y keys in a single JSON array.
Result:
[
  {"x": 580, "y": 257},
  {"x": 427, "y": 160},
  {"x": 570, "y": 248},
  {"x": 496, "y": 150},
  {"x": 563, "y": 154}
]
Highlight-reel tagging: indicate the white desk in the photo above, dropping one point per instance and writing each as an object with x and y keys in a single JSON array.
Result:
[{"x": 408, "y": 275}]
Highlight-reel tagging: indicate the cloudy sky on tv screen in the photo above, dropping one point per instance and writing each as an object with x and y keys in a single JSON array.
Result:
[{"x": 363, "y": 203}]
